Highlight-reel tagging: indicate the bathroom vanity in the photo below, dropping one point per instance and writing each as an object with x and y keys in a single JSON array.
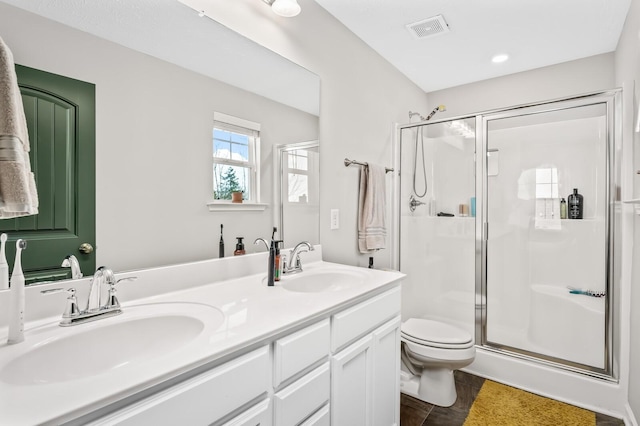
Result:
[{"x": 200, "y": 344}]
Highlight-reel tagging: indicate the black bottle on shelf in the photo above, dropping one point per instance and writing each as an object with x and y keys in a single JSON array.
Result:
[{"x": 575, "y": 203}]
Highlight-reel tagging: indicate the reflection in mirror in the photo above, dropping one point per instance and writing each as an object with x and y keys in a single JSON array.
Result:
[
  {"x": 297, "y": 192},
  {"x": 217, "y": 70}
]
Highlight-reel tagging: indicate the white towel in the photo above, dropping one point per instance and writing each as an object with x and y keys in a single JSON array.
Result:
[
  {"x": 18, "y": 195},
  {"x": 372, "y": 233}
]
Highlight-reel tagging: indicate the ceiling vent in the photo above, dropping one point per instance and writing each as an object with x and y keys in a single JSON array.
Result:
[{"x": 428, "y": 27}]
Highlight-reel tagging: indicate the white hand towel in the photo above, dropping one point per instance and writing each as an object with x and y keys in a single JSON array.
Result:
[
  {"x": 18, "y": 195},
  {"x": 372, "y": 233}
]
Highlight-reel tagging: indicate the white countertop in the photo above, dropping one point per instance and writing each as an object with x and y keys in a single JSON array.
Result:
[{"x": 253, "y": 313}]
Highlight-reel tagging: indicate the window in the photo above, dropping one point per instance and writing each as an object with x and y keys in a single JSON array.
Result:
[
  {"x": 235, "y": 158},
  {"x": 547, "y": 182}
]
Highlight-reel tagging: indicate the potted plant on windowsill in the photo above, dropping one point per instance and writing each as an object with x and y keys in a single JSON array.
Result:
[{"x": 236, "y": 196}]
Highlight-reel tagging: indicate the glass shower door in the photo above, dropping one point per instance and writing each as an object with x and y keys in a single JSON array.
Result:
[
  {"x": 547, "y": 273},
  {"x": 437, "y": 223}
]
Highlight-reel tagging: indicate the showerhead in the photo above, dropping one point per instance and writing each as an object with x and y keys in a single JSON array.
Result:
[
  {"x": 436, "y": 109},
  {"x": 431, "y": 114}
]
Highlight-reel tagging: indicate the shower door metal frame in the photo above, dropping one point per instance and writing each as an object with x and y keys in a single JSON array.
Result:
[{"x": 612, "y": 100}]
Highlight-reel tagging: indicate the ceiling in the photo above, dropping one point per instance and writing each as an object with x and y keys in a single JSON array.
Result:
[
  {"x": 172, "y": 31},
  {"x": 534, "y": 33}
]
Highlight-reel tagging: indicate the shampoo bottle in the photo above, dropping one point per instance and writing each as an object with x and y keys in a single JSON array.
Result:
[
  {"x": 239, "y": 247},
  {"x": 563, "y": 209},
  {"x": 278, "y": 260},
  {"x": 576, "y": 205}
]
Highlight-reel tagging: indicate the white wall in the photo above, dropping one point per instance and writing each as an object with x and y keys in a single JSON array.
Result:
[
  {"x": 627, "y": 66},
  {"x": 361, "y": 95},
  {"x": 153, "y": 144},
  {"x": 552, "y": 82}
]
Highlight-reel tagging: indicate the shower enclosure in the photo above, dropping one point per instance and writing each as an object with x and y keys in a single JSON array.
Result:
[{"x": 487, "y": 246}]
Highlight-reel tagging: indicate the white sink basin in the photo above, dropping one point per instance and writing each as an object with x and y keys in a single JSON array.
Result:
[
  {"x": 140, "y": 334},
  {"x": 323, "y": 281}
]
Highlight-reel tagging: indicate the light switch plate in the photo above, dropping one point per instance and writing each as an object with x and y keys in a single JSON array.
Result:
[{"x": 335, "y": 218}]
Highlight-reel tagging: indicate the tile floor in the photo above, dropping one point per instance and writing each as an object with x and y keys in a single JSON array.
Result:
[{"x": 414, "y": 412}]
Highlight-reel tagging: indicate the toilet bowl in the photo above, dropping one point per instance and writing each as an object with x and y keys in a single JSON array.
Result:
[{"x": 431, "y": 351}]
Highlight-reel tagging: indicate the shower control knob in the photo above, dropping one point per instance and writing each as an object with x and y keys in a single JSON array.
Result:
[{"x": 86, "y": 248}]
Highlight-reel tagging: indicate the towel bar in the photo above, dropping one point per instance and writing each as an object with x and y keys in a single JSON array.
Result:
[{"x": 348, "y": 162}]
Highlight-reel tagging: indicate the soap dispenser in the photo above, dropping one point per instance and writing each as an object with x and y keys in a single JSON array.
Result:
[
  {"x": 271, "y": 274},
  {"x": 221, "y": 244},
  {"x": 239, "y": 247}
]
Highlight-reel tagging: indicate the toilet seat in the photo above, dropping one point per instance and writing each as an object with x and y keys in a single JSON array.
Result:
[{"x": 435, "y": 334}]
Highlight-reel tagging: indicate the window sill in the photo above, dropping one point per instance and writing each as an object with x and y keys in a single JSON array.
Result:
[{"x": 217, "y": 206}]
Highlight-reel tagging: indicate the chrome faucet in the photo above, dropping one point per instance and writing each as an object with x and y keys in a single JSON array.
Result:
[
  {"x": 70, "y": 261},
  {"x": 295, "y": 265},
  {"x": 95, "y": 309},
  {"x": 101, "y": 276},
  {"x": 263, "y": 241}
]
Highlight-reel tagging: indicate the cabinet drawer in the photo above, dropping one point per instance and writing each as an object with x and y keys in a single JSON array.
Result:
[
  {"x": 258, "y": 415},
  {"x": 303, "y": 397},
  {"x": 321, "y": 418},
  {"x": 300, "y": 350},
  {"x": 203, "y": 399},
  {"x": 348, "y": 325}
]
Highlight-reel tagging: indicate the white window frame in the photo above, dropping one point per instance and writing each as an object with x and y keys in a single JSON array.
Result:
[{"x": 251, "y": 129}]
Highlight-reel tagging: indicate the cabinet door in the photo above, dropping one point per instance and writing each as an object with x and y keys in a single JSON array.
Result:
[
  {"x": 386, "y": 374},
  {"x": 351, "y": 384}
]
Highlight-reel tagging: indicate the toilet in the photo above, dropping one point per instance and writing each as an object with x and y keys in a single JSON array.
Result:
[{"x": 431, "y": 351}]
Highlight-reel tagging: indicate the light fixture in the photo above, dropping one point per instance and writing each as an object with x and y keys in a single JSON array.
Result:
[
  {"x": 286, "y": 8},
  {"x": 497, "y": 59}
]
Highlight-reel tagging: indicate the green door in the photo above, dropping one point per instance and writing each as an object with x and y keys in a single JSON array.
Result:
[{"x": 60, "y": 116}]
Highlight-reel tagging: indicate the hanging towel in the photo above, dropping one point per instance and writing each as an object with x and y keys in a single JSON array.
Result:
[
  {"x": 372, "y": 233},
  {"x": 18, "y": 195}
]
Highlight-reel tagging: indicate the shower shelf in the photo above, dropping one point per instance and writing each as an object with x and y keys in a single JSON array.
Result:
[{"x": 636, "y": 205}]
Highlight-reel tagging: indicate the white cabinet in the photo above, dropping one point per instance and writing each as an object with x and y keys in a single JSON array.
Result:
[
  {"x": 299, "y": 350},
  {"x": 348, "y": 325},
  {"x": 258, "y": 415},
  {"x": 320, "y": 418},
  {"x": 302, "y": 398},
  {"x": 365, "y": 388},
  {"x": 351, "y": 386},
  {"x": 341, "y": 370},
  {"x": 205, "y": 398},
  {"x": 386, "y": 374}
]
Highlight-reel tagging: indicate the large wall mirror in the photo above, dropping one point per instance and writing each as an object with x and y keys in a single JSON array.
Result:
[{"x": 154, "y": 121}]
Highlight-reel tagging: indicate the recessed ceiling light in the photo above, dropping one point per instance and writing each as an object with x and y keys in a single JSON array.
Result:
[{"x": 499, "y": 58}]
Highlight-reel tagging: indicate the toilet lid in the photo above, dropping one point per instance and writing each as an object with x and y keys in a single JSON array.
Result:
[{"x": 430, "y": 331}]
